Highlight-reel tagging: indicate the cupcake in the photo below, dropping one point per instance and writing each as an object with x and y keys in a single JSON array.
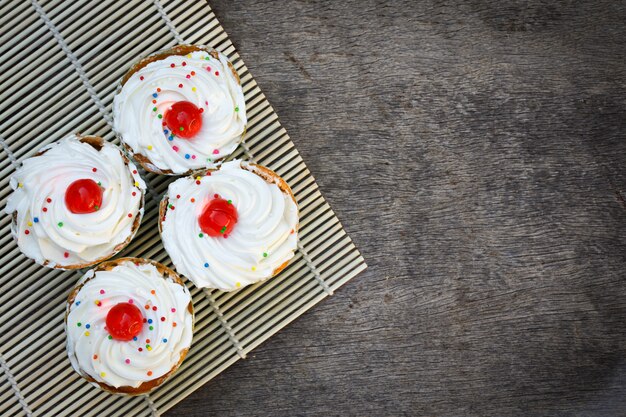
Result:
[
  {"x": 180, "y": 110},
  {"x": 231, "y": 227},
  {"x": 128, "y": 325},
  {"x": 77, "y": 202}
]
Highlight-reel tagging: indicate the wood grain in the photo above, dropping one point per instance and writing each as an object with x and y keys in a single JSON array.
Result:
[{"x": 475, "y": 152}]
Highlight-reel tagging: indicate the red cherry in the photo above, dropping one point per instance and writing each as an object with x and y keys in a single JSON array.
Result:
[
  {"x": 218, "y": 217},
  {"x": 124, "y": 321},
  {"x": 184, "y": 119},
  {"x": 83, "y": 196}
]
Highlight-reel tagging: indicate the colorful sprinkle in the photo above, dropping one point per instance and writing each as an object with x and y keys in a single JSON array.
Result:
[
  {"x": 216, "y": 151},
  {"x": 237, "y": 284},
  {"x": 152, "y": 292},
  {"x": 103, "y": 374},
  {"x": 66, "y": 254},
  {"x": 153, "y": 101},
  {"x": 154, "y": 308},
  {"x": 223, "y": 229},
  {"x": 177, "y": 195},
  {"x": 172, "y": 65},
  {"x": 200, "y": 234},
  {"x": 26, "y": 232},
  {"x": 49, "y": 200},
  {"x": 193, "y": 73},
  {"x": 180, "y": 86},
  {"x": 188, "y": 76},
  {"x": 206, "y": 264},
  {"x": 86, "y": 333},
  {"x": 170, "y": 138},
  {"x": 20, "y": 185},
  {"x": 135, "y": 338},
  {"x": 98, "y": 303},
  {"x": 79, "y": 324},
  {"x": 134, "y": 171},
  {"x": 130, "y": 301},
  {"x": 147, "y": 307},
  {"x": 230, "y": 201},
  {"x": 158, "y": 90},
  {"x": 141, "y": 78},
  {"x": 45, "y": 209},
  {"x": 175, "y": 148},
  {"x": 164, "y": 340},
  {"x": 217, "y": 73},
  {"x": 254, "y": 268},
  {"x": 184, "y": 63},
  {"x": 237, "y": 109},
  {"x": 154, "y": 108},
  {"x": 187, "y": 156},
  {"x": 193, "y": 200},
  {"x": 174, "y": 324},
  {"x": 136, "y": 183},
  {"x": 149, "y": 373},
  {"x": 148, "y": 348},
  {"x": 101, "y": 291},
  {"x": 193, "y": 157},
  {"x": 95, "y": 357},
  {"x": 160, "y": 116},
  {"x": 208, "y": 69},
  {"x": 162, "y": 318},
  {"x": 77, "y": 303},
  {"x": 110, "y": 337},
  {"x": 193, "y": 88},
  {"x": 150, "y": 321},
  {"x": 140, "y": 349},
  {"x": 87, "y": 326},
  {"x": 154, "y": 95},
  {"x": 36, "y": 219},
  {"x": 265, "y": 254},
  {"x": 173, "y": 310},
  {"x": 127, "y": 361}
]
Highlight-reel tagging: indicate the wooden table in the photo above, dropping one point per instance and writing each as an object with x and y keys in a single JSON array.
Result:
[{"x": 476, "y": 155}]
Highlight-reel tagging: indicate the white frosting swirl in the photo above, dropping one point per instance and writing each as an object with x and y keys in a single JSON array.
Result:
[
  {"x": 128, "y": 363},
  {"x": 52, "y": 235},
  {"x": 140, "y": 106},
  {"x": 264, "y": 237}
]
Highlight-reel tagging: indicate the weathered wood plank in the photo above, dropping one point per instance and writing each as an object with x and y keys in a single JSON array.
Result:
[{"x": 475, "y": 153}]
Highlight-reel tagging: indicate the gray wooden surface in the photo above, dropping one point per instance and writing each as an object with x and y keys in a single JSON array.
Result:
[{"x": 476, "y": 153}]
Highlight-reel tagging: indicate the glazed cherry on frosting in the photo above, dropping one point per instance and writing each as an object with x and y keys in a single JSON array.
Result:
[
  {"x": 218, "y": 217},
  {"x": 124, "y": 321},
  {"x": 184, "y": 119},
  {"x": 83, "y": 196}
]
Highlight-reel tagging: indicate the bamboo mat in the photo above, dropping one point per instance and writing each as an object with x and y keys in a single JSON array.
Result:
[{"x": 60, "y": 63}]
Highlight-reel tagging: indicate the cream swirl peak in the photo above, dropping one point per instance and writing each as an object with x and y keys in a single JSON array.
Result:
[
  {"x": 261, "y": 242},
  {"x": 159, "y": 345},
  {"x": 47, "y": 230},
  {"x": 186, "y": 74}
]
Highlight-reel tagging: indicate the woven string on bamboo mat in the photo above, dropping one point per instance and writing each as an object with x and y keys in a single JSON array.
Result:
[{"x": 60, "y": 64}]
